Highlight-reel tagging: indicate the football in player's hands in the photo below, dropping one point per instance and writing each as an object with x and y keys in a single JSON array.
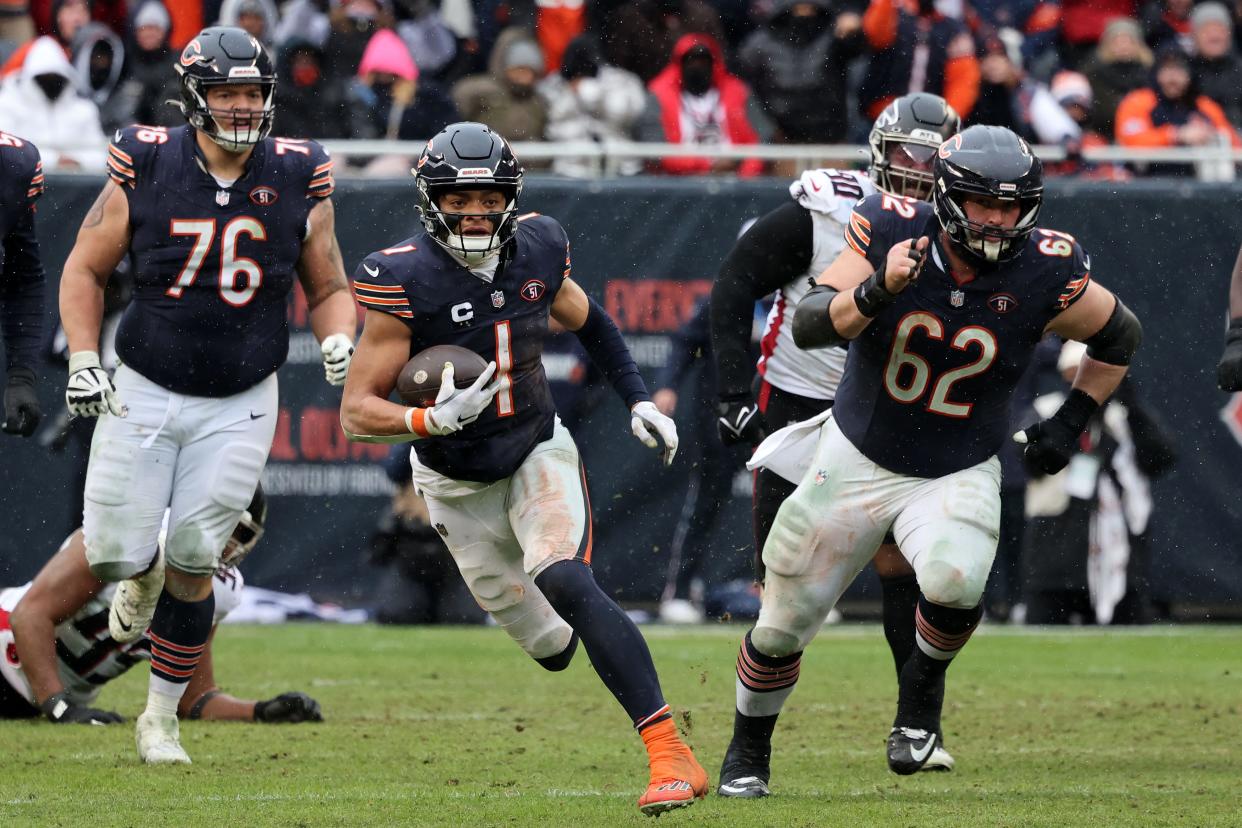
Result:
[{"x": 419, "y": 381}]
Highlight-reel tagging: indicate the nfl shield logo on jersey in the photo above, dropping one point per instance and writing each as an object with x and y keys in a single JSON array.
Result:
[
  {"x": 957, "y": 298},
  {"x": 498, "y": 299},
  {"x": 222, "y": 197}
]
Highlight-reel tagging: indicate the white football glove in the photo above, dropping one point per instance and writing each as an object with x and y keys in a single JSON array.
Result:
[
  {"x": 338, "y": 350},
  {"x": 456, "y": 409},
  {"x": 90, "y": 391},
  {"x": 647, "y": 423}
]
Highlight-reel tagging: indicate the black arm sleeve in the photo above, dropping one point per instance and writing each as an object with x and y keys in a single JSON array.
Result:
[
  {"x": 21, "y": 294},
  {"x": 689, "y": 342},
  {"x": 773, "y": 252}
]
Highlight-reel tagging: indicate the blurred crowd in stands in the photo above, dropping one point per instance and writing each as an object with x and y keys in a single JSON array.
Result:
[{"x": 1160, "y": 73}]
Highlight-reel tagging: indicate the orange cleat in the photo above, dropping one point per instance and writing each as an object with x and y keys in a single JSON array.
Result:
[{"x": 677, "y": 778}]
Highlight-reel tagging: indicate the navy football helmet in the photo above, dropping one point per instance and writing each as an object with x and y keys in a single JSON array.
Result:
[
  {"x": 904, "y": 140},
  {"x": 468, "y": 156},
  {"x": 987, "y": 161},
  {"x": 217, "y": 56}
]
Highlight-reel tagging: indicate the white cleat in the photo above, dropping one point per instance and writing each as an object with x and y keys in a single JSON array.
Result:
[
  {"x": 159, "y": 740},
  {"x": 940, "y": 760},
  {"x": 133, "y": 603}
]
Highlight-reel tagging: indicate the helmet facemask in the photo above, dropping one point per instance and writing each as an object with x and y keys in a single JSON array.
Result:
[
  {"x": 985, "y": 243},
  {"x": 904, "y": 165},
  {"x": 245, "y": 537},
  {"x": 248, "y": 127},
  {"x": 445, "y": 227}
]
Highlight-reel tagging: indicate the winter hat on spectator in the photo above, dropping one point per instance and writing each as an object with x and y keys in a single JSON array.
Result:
[
  {"x": 1122, "y": 26},
  {"x": 524, "y": 53},
  {"x": 1070, "y": 88},
  {"x": 152, "y": 13},
  {"x": 386, "y": 53},
  {"x": 1205, "y": 13}
]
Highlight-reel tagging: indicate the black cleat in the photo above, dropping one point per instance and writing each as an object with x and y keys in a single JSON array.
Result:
[
  {"x": 909, "y": 749},
  {"x": 744, "y": 773}
]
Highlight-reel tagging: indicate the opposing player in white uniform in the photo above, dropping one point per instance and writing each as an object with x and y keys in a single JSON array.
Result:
[
  {"x": 56, "y": 654},
  {"x": 784, "y": 252},
  {"x": 220, "y": 219}
]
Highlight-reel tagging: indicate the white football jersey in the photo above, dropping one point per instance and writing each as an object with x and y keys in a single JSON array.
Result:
[
  {"x": 829, "y": 196},
  {"x": 86, "y": 655}
]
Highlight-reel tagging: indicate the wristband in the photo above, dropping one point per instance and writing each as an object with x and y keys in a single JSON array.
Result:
[
  {"x": 1076, "y": 411},
  {"x": 416, "y": 421},
  {"x": 55, "y": 705},
  {"x": 872, "y": 296}
]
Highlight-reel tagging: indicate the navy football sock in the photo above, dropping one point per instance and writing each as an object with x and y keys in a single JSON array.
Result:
[
  {"x": 900, "y": 598},
  {"x": 616, "y": 648},
  {"x": 179, "y": 633},
  {"x": 941, "y": 634}
]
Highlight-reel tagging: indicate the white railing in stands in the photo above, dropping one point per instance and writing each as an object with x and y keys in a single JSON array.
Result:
[
  {"x": 1211, "y": 163},
  {"x": 1217, "y": 163}
]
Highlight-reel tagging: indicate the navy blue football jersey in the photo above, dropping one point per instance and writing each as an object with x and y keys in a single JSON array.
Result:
[
  {"x": 213, "y": 265},
  {"x": 21, "y": 272},
  {"x": 505, "y": 321},
  {"x": 927, "y": 384}
]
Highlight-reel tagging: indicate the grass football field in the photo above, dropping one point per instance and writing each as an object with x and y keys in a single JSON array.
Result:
[{"x": 443, "y": 726}]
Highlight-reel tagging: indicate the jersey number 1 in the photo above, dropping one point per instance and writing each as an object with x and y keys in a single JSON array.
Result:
[
  {"x": 504, "y": 364},
  {"x": 239, "y": 277}
]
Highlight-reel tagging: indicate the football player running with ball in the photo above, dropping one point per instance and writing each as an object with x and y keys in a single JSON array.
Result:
[
  {"x": 942, "y": 304},
  {"x": 501, "y": 475},
  {"x": 784, "y": 251},
  {"x": 218, "y": 218}
]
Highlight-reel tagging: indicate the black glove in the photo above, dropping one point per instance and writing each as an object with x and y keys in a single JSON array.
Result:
[
  {"x": 21, "y": 404},
  {"x": 1229, "y": 370},
  {"x": 288, "y": 707},
  {"x": 59, "y": 709},
  {"x": 739, "y": 421},
  {"x": 1052, "y": 442}
]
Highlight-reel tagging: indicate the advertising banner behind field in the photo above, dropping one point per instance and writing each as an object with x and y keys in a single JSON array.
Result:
[{"x": 648, "y": 249}]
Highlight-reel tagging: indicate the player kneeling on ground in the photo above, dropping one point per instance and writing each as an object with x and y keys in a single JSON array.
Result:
[
  {"x": 500, "y": 474},
  {"x": 56, "y": 653}
]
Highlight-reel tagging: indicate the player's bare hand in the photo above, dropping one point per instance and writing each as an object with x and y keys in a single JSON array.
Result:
[
  {"x": 905, "y": 260},
  {"x": 653, "y": 428},
  {"x": 666, "y": 400}
]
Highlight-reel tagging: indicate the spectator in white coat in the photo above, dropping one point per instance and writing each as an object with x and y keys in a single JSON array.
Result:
[
  {"x": 588, "y": 100},
  {"x": 41, "y": 104}
]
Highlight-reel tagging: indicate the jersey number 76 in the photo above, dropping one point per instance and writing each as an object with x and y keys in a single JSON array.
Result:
[{"x": 239, "y": 277}]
